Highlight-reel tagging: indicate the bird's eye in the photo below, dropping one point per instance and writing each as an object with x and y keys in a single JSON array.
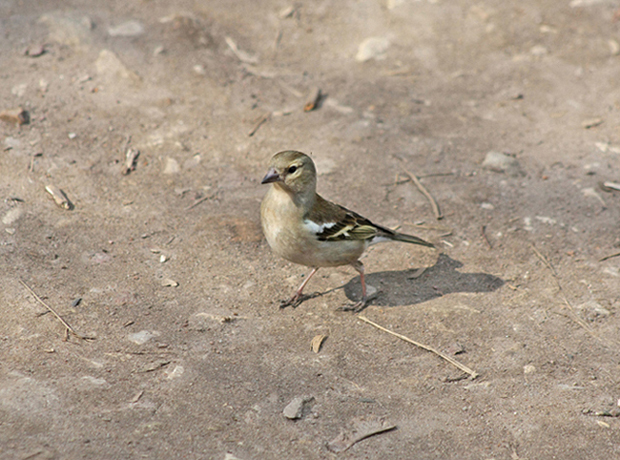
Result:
[{"x": 292, "y": 169}]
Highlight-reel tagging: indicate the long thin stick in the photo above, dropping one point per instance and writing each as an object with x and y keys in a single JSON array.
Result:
[
  {"x": 262, "y": 119},
  {"x": 571, "y": 311},
  {"x": 609, "y": 257},
  {"x": 462, "y": 367},
  {"x": 426, "y": 193},
  {"x": 64, "y": 323}
]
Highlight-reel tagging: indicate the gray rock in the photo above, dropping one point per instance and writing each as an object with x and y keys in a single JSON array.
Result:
[
  {"x": 372, "y": 48},
  {"x": 500, "y": 162},
  {"x": 68, "y": 29},
  {"x": 295, "y": 408},
  {"x": 127, "y": 29}
]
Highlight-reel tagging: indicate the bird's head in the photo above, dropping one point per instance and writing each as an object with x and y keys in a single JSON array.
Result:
[{"x": 294, "y": 171}]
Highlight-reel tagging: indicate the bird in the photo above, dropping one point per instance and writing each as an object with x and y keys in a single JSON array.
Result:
[{"x": 304, "y": 228}]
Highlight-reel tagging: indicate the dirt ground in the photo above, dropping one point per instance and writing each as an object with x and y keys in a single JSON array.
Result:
[{"x": 190, "y": 355}]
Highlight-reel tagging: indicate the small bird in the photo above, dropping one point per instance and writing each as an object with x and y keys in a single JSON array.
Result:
[{"x": 304, "y": 228}]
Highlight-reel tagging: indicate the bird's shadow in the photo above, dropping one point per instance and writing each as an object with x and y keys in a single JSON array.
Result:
[{"x": 406, "y": 287}]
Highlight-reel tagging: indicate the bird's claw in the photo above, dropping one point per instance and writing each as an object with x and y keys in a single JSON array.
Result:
[
  {"x": 355, "y": 307},
  {"x": 298, "y": 299}
]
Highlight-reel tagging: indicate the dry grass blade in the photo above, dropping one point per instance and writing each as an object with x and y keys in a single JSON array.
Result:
[
  {"x": 426, "y": 193},
  {"x": 67, "y": 326},
  {"x": 571, "y": 311},
  {"x": 473, "y": 374}
]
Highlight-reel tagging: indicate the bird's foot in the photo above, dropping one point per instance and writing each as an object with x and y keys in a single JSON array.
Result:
[
  {"x": 355, "y": 307},
  {"x": 298, "y": 299}
]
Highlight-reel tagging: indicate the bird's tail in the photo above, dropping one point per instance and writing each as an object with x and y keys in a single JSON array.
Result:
[{"x": 410, "y": 239}]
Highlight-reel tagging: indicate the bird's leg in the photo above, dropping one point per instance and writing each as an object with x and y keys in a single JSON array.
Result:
[
  {"x": 298, "y": 297},
  {"x": 359, "y": 306}
]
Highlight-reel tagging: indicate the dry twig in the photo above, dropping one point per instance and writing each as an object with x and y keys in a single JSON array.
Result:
[
  {"x": 262, "y": 119},
  {"x": 610, "y": 256},
  {"x": 68, "y": 327},
  {"x": 198, "y": 201},
  {"x": 473, "y": 374},
  {"x": 483, "y": 232},
  {"x": 426, "y": 193}
]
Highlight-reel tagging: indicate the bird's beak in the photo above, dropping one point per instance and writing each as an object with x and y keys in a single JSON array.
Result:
[{"x": 271, "y": 176}]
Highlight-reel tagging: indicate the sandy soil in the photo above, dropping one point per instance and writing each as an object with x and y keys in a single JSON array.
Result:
[{"x": 191, "y": 357}]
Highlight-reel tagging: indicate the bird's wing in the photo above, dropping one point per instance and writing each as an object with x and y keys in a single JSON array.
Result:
[{"x": 332, "y": 222}]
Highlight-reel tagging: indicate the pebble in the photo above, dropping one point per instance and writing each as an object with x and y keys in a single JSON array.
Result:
[
  {"x": 68, "y": 29},
  {"x": 500, "y": 162},
  {"x": 141, "y": 337},
  {"x": 35, "y": 51},
  {"x": 174, "y": 373},
  {"x": 372, "y": 48},
  {"x": 294, "y": 410},
  {"x": 172, "y": 166},
  {"x": 94, "y": 380},
  {"x": 19, "y": 90},
  {"x": 127, "y": 29},
  {"x": 12, "y": 215},
  {"x": 529, "y": 369},
  {"x": 110, "y": 66},
  {"x": 11, "y": 142},
  {"x": 592, "y": 310},
  {"x": 199, "y": 69}
]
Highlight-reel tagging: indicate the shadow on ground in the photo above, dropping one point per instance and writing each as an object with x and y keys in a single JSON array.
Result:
[{"x": 407, "y": 287}]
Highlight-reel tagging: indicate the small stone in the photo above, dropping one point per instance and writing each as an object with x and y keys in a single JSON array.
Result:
[
  {"x": 127, "y": 29},
  {"x": 19, "y": 90},
  {"x": 141, "y": 337},
  {"x": 71, "y": 136},
  {"x": 169, "y": 283},
  {"x": 593, "y": 311},
  {"x": 372, "y": 48},
  {"x": 295, "y": 408},
  {"x": 199, "y": 69},
  {"x": 110, "y": 67},
  {"x": 35, "y": 51},
  {"x": 172, "y": 166},
  {"x": 68, "y": 29},
  {"x": 529, "y": 369},
  {"x": 12, "y": 215},
  {"x": 158, "y": 50},
  {"x": 538, "y": 50},
  {"x": 286, "y": 12},
  {"x": 174, "y": 373},
  {"x": 500, "y": 162}
]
